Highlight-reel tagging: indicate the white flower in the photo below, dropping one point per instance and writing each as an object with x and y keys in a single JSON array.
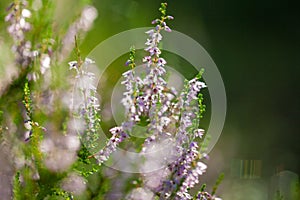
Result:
[
  {"x": 115, "y": 130},
  {"x": 199, "y": 132},
  {"x": 22, "y": 22},
  {"x": 35, "y": 53},
  {"x": 161, "y": 62},
  {"x": 28, "y": 125},
  {"x": 45, "y": 60},
  {"x": 26, "y": 13},
  {"x": 73, "y": 64}
]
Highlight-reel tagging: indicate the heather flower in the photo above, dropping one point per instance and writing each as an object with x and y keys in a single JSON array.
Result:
[
  {"x": 132, "y": 85},
  {"x": 154, "y": 84},
  {"x": 26, "y": 13},
  {"x": 88, "y": 104},
  {"x": 147, "y": 59},
  {"x": 17, "y": 16},
  {"x": 191, "y": 180},
  {"x": 28, "y": 124},
  {"x": 118, "y": 135},
  {"x": 17, "y": 19},
  {"x": 73, "y": 65},
  {"x": 27, "y": 135},
  {"x": 179, "y": 170},
  {"x": 187, "y": 121},
  {"x": 156, "y": 102},
  {"x": 45, "y": 62},
  {"x": 199, "y": 133},
  {"x": 161, "y": 62},
  {"x": 25, "y": 53}
]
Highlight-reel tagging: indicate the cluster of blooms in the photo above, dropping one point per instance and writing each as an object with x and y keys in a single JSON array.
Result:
[
  {"x": 188, "y": 130},
  {"x": 132, "y": 85},
  {"x": 179, "y": 172},
  {"x": 146, "y": 98},
  {"x": 44, "y": 55},
  {"x": 151, "y": 100},
  {"x": 18, "y": 13},
  {"x": 25, "y": 53},
  {"x": 118, "y": 136},
  {"x": 168, "y": 116},
  {"x": 191, "y": 180},
  {"x": 87, "y": 107},
  {"x": 87, "y": 104}
]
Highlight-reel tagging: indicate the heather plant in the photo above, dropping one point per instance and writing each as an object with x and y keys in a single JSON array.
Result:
[{"x": 54, "y": 139}]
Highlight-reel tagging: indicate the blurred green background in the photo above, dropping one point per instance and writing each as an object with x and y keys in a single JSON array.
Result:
[{"x": 256, "y": 47}]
